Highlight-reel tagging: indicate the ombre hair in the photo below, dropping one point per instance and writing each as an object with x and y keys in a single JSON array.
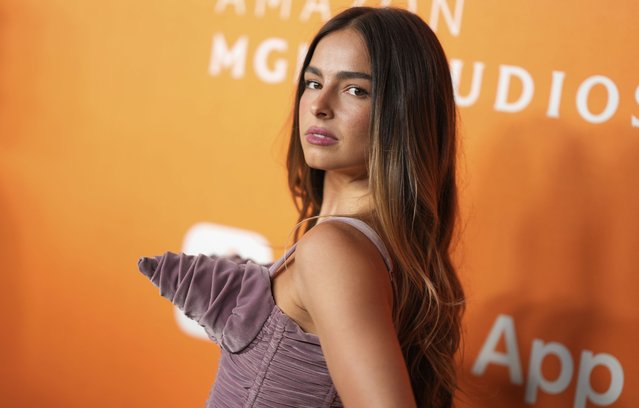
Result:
[{"x": 411, "y": 172}]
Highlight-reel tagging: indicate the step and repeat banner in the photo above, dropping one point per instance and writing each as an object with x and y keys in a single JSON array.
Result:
[{"x": 131, "y": 128}]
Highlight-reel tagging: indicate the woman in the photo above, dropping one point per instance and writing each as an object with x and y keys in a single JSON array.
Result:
[{"x": 364, "y": 309}]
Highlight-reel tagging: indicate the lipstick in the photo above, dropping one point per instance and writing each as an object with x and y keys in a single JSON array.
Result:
[{"x": 320, "y": 136}]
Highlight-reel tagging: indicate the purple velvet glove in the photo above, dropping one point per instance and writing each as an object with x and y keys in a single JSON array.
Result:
[{"x": 230, "y": 300}]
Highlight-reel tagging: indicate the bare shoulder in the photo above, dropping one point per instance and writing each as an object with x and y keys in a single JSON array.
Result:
[
  {"x": 337, "y": 256},
  {"x": 343, "y": 284}
]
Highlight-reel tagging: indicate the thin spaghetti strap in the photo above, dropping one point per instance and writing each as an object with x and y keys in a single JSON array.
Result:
[
  {"x": 371, "y": 234},
  {"x": 357, "y": 224},
  {"x": 277, "y": 264}
]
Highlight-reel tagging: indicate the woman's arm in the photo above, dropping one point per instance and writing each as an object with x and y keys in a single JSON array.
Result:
[{"x": 344, "y": 285}]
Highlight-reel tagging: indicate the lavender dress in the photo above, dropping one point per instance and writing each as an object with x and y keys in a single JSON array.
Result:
[{"x": 267, "y": 359}]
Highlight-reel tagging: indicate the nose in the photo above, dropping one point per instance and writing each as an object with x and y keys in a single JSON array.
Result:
[{"x": 321, "y": 106}]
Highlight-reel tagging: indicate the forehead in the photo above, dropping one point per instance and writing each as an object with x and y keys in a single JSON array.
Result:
[{"x": 342, "y": 50}]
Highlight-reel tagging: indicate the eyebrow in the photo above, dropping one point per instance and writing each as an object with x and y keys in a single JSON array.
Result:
[{"x": 341, "y": 74}]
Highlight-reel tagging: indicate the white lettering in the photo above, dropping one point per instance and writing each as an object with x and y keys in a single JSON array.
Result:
[
  {"x": 240, "y": 6},
  {"x": 453, "y": 22},
  {"x": 222, "y": 57},
  {"x": 555, "y": 94},
  {"x": 475, "y": 85},
  {"x": 634, "y": 121},
  {"x": 278, "y": 73},
  {"x": 503, "y": 86},
  {"x": 411, "y": 6},
  {"x": 285, "y": 7},
  {"x": 585, "y": 392},
  {"x": 504, "y": 325},
  {"x": 535, "y": 377},
  {"x": 584, "y": 92},
  {"x": 316, "y": 6}
]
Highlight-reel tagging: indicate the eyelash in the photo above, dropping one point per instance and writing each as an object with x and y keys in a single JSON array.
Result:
[
  {"x": 362, "y": 92},
  {"x": 308, "y": 83},
  {"x": 359, "y": 92}
]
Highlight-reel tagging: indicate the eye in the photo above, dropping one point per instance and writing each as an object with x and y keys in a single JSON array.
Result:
[
  {"x": 357, "y": 91},
  {"x": 310, "y": 84}
]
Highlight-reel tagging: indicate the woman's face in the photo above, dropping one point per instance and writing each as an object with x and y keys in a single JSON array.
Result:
[{"x": 334, "y": 110}]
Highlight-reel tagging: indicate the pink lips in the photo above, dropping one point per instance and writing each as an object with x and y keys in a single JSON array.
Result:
[{"x": 320, "y": 136}]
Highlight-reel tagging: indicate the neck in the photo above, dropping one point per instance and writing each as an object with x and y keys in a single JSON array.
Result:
[{"x": 345, "y": 195}]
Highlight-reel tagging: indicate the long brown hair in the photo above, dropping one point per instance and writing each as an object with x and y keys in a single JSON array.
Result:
[{"x": 411, "y": 169}]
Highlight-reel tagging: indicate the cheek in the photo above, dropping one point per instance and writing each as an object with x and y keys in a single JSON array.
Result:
[
  {"x": 303, "y": 107},
  {"x": 361, "y": 121}
]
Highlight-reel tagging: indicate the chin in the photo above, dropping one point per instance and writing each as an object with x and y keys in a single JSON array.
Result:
[{"x": 317, "y": 163}]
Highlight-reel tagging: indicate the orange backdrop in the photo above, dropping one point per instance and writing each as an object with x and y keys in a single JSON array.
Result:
[{"x": 123, "y": 124}]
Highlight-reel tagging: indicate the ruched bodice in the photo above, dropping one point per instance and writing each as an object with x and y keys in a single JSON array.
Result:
[{"x": 267, "y": 359}]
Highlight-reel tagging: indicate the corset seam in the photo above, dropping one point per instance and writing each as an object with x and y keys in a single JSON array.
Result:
[
  {"x": 274, "y": 344},
  {"x": 330, "y": 396}
]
